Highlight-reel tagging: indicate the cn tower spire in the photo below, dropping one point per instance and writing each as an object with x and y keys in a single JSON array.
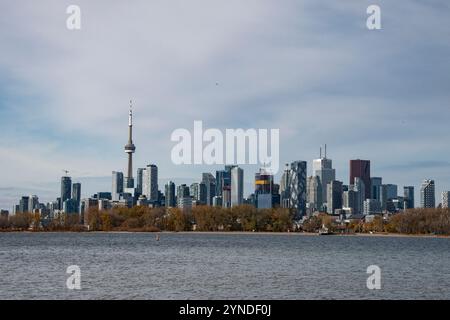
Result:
[{"x": 130, "y": 149}]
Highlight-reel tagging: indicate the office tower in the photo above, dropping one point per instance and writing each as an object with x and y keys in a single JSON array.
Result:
[
  {"x": 183, "y": 191},
  {"x": 323, "y": 168},
  {"x": 130, "y": 148},
  {"x": 223, "y": 179},
  {"x": 103, "y": 195},
  {"x": 139, "y": 180},
  {"x": 297, "y": 188},
  {"x": 408, "y": 194},
  {"x": 150, "y": 183},
  {"x": 170, "y": 195},
  {"x": 198, "y": 193},
  {"x": 383, "y": 197},
  {"x": 33, "y": 203},
  {"x": 349, "y": 198},
  {"x": 361, "y": 169},
  {"x": 217, "y": 201},
  {"x": 263, "y": 189},
  {"x": 375, "y": 186},
  {"x": 360, "y": 188},
  {"x": 391, "y": 191},
  {"x": 314, "y": 193},
  {"x": 210, "y": 182},
  {"x": 427, "y": 194},
  {"x": 371, "y": 206},
  {"x": 445, "y": 198},
  {"x": 117, "y": 185},
  {"x": 184, "y": 200},
  {"x": 284, "y": 187},
  {"x": 23, "y": 204},
  {"x": 66, "y": 189},
  {"x": 226, "y": 197},
  {"x": 334, "y": 196},
  {"x": 70, "y": 206},
  {"x": 237, "y": 186},
  {"x": 76, "y": 194}
]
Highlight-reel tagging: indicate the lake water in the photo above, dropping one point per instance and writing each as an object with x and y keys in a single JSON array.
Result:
[{"x": 221, "y": 266}]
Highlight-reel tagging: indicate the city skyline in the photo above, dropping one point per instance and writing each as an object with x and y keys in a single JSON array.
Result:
[
  {"x": 379, "y": 95},
  {"x": 296, "y": 190}
]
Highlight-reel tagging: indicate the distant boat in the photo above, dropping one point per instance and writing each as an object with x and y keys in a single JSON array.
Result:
[
  {"x": 157, "y": 237},
  {"x": 324, "y": 231}
]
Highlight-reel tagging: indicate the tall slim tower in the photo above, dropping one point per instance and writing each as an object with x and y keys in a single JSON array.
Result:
[{"x": 130, "y": 149}]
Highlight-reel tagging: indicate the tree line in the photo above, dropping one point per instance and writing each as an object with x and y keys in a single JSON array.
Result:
[{"x": 239, "y": 218}]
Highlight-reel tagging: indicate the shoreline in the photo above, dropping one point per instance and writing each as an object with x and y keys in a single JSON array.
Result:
[{"x": 306, "y": 234}]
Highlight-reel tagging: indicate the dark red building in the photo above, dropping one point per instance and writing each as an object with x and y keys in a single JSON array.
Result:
[{"x": 361, "y": 169}]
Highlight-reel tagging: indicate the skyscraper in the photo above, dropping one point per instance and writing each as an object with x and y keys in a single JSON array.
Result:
[
  {"x": 334, "y": 196},
  {"x": 76, "y": 194},
  {"x": 445, "y": 199},
  {"x": 284, "y": 187},
  {"x": 408, "y": 194},
  {"x": 23, "y": 204},
  {"x": 323, "y": 168},
  {"x": 297, "y": 188},
  {"x": 237, "y": 186},
  {"x": 150, "y": 183},
  {"x": 210, "y": 182},
  {"x": 66, "y": 189},
  {"x": 33, "y": 203},
  {"x": 427, "y": 194},
  {"x": 360, "y": 191},
  {"x": 170, "y": 195},
  {"x": 117, "y": 185},
  {"x": 130, "y": 149},
  {"x": 263, "y": 189},
  {"x": 314, "y": 193},
  {"x": 139, "y": 180},
  {"x": 376, "y": 183},
  {"x": 198, "y": 193},
  {"x": 361, "y": 169},
  {"x": 223, "y": 180}
]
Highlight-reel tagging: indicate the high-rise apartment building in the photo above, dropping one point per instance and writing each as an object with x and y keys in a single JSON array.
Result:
[
  {"x": 427, "y": 194},
  {"x": 117, "y": 185},
  {"x": 237, "y": 186},
  {"x": 408, "y": 194},
  {"x": 150, "y": 183},
  {"x": 170, "y": 195}
]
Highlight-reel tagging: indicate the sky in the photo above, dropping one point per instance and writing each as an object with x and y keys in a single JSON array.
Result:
[{"x": 311, "y": 69}]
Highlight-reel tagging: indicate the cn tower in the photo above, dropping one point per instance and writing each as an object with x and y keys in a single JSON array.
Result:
[{"x": 130, "y": 149}]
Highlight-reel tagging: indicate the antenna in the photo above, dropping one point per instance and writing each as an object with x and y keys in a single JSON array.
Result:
[
  {"x": 320, "y": 152},
  {"x": 65, "y": 171},
  {"x": 325, "y": 150}
]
